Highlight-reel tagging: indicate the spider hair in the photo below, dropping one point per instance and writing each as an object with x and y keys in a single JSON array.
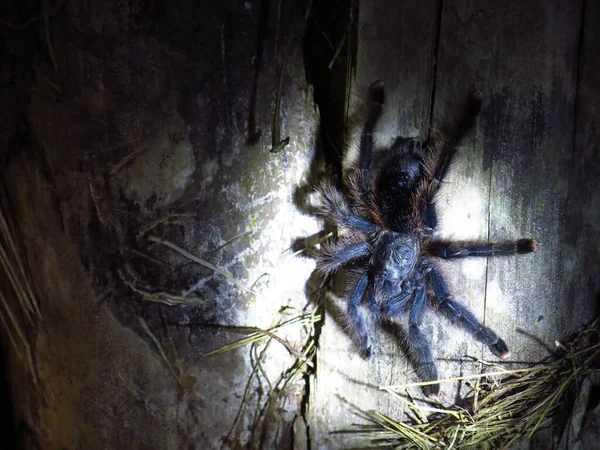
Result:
[{"x": 388, "y": 212}]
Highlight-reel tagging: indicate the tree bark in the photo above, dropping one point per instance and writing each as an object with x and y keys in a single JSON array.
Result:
[{"x": 143, "y": 124}]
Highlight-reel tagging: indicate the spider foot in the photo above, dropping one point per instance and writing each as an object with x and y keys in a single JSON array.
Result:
[
  {"x": 431, "y": 391},
  {"x": 500, "y": 349},
  {"x": 376, "y": 91},
  {"x": 477, "y": 96},
  {"x": 475, "y": 101},
  {"x": 526, "y": 245},
  {"x": 367, "y": 352}
]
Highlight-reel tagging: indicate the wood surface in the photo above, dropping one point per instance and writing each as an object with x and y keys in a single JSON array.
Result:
[
  {"x": 395, "y": 44},
  {"x": 145, "y": 110},
  {"x": 527, "y": 169}
]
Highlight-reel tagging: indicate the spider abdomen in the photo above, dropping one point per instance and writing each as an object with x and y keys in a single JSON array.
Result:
[{"x": 396, "y": 184}]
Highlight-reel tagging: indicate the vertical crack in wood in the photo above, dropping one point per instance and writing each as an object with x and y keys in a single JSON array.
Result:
[
  {"x": 580, "y": 45},
  {"x": 576, "y": 112},
  {"x": 436, "y": 51},
  {"x": 489, "y": 227},
  {"x": 254, "y": 133},
  {"x": 330, "y": 72}
]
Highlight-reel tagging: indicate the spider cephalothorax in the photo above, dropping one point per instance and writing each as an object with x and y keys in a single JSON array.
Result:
[{"x": 388, "y": 213}]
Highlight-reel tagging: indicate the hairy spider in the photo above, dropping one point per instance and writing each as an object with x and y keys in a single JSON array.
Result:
[{"x": 388, "y": 212}]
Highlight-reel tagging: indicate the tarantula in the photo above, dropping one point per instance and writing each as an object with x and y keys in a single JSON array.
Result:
[{"x": 388, "y": 210}]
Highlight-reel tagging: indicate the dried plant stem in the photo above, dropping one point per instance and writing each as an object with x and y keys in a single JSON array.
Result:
[
  {"x": 27, "y": 307},
  {"x": 204, "y": 263},
  {"x": 20, "y": 275},
  {"x": 164, "y": 219},
  {"x": 161, "y": 297},
  {"x": 161, "y": 351},
  {"x": 258, "y": 334},
  {"x": 114, "y": 169},
  {"x": 504, "y": 409},
  {"x": 447, "y": 380}
]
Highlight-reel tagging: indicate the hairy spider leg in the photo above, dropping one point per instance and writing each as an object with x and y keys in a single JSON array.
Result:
[
  {"x": 334, "y": 256},
  {"x": 444, "y": 159},
  {"x": 449, "y": 150},
  {"x": 464, "y": 249},
  {"x": 419, "y": 348},
  {"x": 335, "y": 206},
  {"x": 367, "y": 142},
  {"x": 369, "y": 299},
  {"x": 361, "y": 185},
  {"x": 473, "y": 110},
  {"x": 396, "y": 305},
  {"x": 465, "y": 318},
  {"x": 357, "y": 326}
]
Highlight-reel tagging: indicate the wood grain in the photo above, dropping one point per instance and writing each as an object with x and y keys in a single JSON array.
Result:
[
  {"x": 396, "y": 42},
  {"x": 527, "y": 169},
  {"x": 580, "y": 283}
]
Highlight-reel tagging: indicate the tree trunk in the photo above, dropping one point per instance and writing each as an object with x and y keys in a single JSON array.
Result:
[{"x": 146, "y": 131}]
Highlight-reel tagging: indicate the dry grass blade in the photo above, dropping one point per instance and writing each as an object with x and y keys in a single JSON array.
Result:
[
  {"x": 313, "y": 244},
  {"x": 257, "y": 334},
  {"x": 230, "y": 241},
  {"x": 411, "y": 434},
  {"x": 161, "y": 297},
  {"x": 164, "y": 219},
  {"x": 206, "y": 264},
  {"x": 17, "y": 267},
  {"x": 343, "y": 39},
  {"x": 161, "y": 351},
  {"x": 278, "y": 144},
  {"x": 47, "y": 33},
  {"x": 268, "y": 407},
  {"x": 15, "y": 324},
  {"x": 15, "y": 281},
  {"x": 10, "y": 335},
  {"x": 19, "y": 26},
  {"x": 18, "y": 287},
  {"x": 504, "y": 410},
  {"x": 130, "y": 157},
  {"x": 277, "y": 395},
  {"x": 448, "y": 380}
]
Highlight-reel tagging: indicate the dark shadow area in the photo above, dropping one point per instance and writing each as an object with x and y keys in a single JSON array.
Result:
[
  {"x": 329, "y": 53},
  {"x": 329, "y": 49},
  {"x": 254, "y": 133},
  {"x": 7, "y": 426}
]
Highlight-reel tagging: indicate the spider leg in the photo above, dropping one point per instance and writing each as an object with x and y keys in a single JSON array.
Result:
[
  {"x": 449, "y": 150},
  {"x": 463, "y": 249},
  {"x": 367, "y": 143},
  {"x": 334, "y": 256},
  {"x": 419, "y": 348},
  {"x": 357, "y": 326},
  {"x": 438, "y": 167},
  {"x": 358, "y": 178},
  {"x": 335, "y": 207},
  {"x": 472, "y": 112},
  {"x": 465, "y": 318},
  {"x": 396, "y": 305}
]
